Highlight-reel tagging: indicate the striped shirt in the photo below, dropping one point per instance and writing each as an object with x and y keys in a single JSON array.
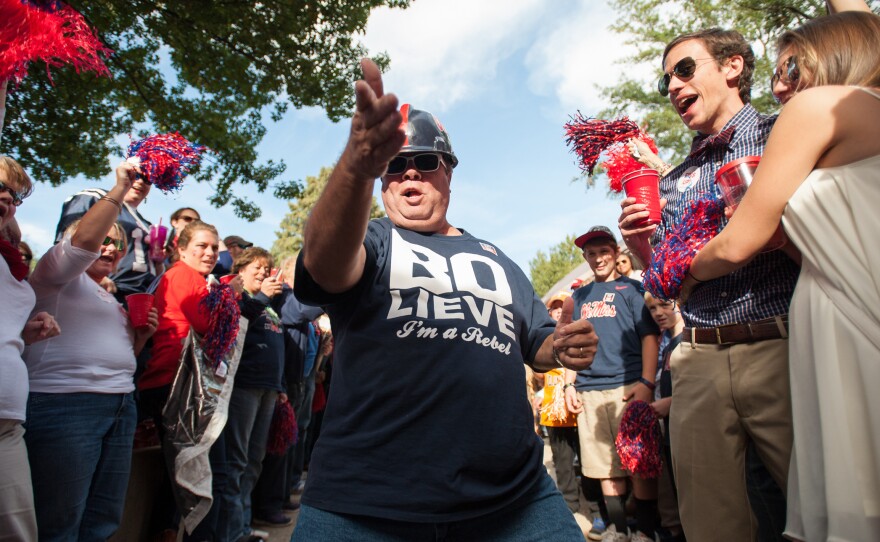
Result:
[{"x": 759, "y": 290}]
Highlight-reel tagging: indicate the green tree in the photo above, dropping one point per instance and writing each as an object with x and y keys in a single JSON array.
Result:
[
  {"x": 217, "y": 72},
  {"x": 648, "y": 25},
  {"x": 546, "y": 269},
  {"x": 289, "y": 239}
]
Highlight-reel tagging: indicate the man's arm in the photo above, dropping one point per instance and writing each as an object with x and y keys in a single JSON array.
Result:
[
  {"x": 637, "y": 238},
  {"x": 574, "y": 343},
  {"x": 333, "y": 250},
  {"x": 650, "y": 352}
]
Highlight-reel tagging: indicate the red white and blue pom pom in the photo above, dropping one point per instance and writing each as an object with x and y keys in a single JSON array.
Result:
[
  {"x": 638, "y": 440},
  {"x": 672, "y": 257},
  {"x": 165, "y": 159},
  {"x": 222, "y": 332},
  {"x": 50, "y": 31},
  {"x": 283, "y": 431},
  {"x": 589, "y": 138}
]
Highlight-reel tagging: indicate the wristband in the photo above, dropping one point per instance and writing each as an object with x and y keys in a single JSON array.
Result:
[
  {"x": 557, "y": 360},
  {"x": 691, "y": 275},
  {"x": 650, "y": 385},
  {"x": 111, "y": 200},
  {"x": 567, "y": 385}
]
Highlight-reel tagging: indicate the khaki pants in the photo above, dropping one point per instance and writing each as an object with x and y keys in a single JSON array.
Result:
[
  {"x": 722, "y": 397},
  {"x": 18, "y": 521}
]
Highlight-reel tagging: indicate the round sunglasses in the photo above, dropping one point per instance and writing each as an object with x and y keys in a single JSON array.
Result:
[
  {"x": 425, "y": 163},
  {"x": 683, "y": 69}
]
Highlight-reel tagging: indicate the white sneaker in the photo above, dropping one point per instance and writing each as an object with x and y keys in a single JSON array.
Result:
[{"x": 611, "y": 535}]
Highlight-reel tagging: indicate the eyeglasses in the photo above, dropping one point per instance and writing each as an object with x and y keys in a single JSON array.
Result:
[
  {"x": 683, "y": 69},
  {"x": 425, "y": 163},
  {"x": 187, "y": 218},
  {"x": 116, "y": 242},
  {"x": 17, "y": 198},
  {"x": 792, "y": 73}
]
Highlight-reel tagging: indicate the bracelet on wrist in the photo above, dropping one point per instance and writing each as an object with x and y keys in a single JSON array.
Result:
[
  {"x": 691, "y": 275},
  {"x": 113, "y": 201},
  {"x": 567, "y": 385},
  {"x": 557, "y": 360},
  {"x": 650, "y": 385}
]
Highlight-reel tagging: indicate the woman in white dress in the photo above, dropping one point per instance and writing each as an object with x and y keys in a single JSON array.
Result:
[{"x": 820, "y": 175}]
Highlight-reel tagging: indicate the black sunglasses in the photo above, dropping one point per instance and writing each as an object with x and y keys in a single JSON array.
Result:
[
  {"x": 425, "y": 163},
  {"x": 187, "y": 218},
  {"x": 792, "y": 73},
  {"x": 683, "y": 69},
  {"x": 17, "y": 198},
  {"x": 111, "y": 241}
]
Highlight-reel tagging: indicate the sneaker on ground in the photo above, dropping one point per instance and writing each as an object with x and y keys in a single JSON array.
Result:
[
  {"x": 290, "y": 506},
  {"x": 273, "y": 520},
  {"x": 597, "y": 529},
  {"x": 611, "y": 535}
]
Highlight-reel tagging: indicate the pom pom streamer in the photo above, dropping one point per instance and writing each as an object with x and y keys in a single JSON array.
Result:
[
  {"x": 283, "y": 431},
  {"x": 221, "y": 304},
  {"x": 638, "y": 440},
  {"x": 165, "y": 159},
  {"x": 50, "y": 31},
  {"x": 589, "y": 138},
  {"x": 673, "y": 256}
]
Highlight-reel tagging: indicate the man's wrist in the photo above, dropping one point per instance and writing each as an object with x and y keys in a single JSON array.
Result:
[
  {"x": 557, "y": 360},
  {"x": 647, "y": 383}
]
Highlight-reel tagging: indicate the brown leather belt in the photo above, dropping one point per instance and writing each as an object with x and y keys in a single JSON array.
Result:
[{"x": 750, "y": 332}]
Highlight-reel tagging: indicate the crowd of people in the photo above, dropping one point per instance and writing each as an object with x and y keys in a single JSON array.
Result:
[{"x": 759, "y": 372}]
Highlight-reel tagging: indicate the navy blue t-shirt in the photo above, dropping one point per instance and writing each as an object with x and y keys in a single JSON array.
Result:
[
  {"x": 262, "y": 356},
  {"x": 428, "y": 418},
  {"x": 618, "y": 313}
]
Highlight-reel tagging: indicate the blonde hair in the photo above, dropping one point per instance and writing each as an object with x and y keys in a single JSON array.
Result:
[
  {"x": 838, "y": 49},
  {"x": 16, "y": 175}
]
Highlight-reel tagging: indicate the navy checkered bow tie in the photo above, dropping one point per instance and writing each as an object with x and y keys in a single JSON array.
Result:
[{"x": 721, "y": 139}]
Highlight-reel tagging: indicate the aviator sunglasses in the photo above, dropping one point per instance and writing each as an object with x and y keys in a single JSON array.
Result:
[
  {"x": 683, "y": 69},
  {"x": 17, "y": 198},
  {"x": 425, "y": 163},
  {"x": 792, "y": 73}
]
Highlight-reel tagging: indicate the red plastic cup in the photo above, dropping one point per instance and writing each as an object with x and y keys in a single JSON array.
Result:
[
  {"x": 735, "y": 177},
  {"x": 158, "y": 233},
  {"x": 139, "y": 306},
  {"x": 226, "y": 279},
  {"x": 644, "y": 185}
]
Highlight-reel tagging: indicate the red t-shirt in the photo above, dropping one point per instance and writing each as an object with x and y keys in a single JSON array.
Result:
[{"x": 178, "y": 300}]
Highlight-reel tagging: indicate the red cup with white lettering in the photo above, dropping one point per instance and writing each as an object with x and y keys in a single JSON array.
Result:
[
  {"x": 644, "y": 186},
  {"x": 139, "y": 306},
  {"x": 735, "y": 177}
]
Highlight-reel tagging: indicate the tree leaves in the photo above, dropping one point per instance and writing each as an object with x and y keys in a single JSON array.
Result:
[
  {"x": 547, "y": 269},
  {"x": 215, "y": 71}
]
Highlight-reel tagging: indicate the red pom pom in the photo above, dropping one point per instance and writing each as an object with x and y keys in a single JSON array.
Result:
[
  {"x": 283, "y": 431},
  {"x": 672, "y": 257},
  {"x": 638, "y": 440},
  {"x": 165, "y": 159},
  {"x": 589, "y": 138},
  {"x": 49, "y": 31},
  {"x": 222, "y": 332}
]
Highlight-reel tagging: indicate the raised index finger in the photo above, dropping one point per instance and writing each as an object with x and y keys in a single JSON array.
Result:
[{"x": 372, "y": 76}]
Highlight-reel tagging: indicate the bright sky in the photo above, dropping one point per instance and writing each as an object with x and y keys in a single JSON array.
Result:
[{"x": 502, "y": 76}]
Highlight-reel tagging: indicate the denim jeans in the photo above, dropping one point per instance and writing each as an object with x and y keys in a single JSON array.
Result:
[
  {"x": 79, "y": 447},
  {"x": 539, "y": 520},
  {"x": 246, "y": 432},
  {"x": 303, "y": 419}
]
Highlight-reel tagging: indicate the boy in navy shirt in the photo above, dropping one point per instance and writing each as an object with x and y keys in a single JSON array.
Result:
[{"x": 623, "y": 369}]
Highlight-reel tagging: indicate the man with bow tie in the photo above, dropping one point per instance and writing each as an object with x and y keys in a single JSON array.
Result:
[{"x": 730, "y": 374}]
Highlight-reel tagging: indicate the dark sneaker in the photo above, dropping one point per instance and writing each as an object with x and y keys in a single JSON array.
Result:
[{"x": 290, "y": 506}]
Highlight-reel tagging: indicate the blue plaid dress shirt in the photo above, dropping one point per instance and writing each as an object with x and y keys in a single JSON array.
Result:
[{"x": 763, "y": 288}]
